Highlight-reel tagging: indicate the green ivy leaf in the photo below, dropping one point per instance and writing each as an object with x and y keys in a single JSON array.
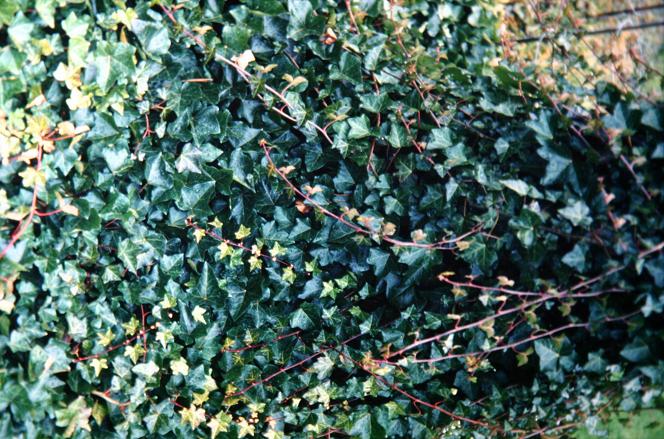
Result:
[
  {"x": 577, "y": 213},
  {"x": 547, "y": 355},
  {"x": 366, "y": 427},
  {"x": 153, "y": 36},
  {"x": 359, "y": 127}
]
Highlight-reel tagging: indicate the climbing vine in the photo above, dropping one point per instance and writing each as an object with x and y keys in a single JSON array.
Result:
[{"x": 311, "y": 218}]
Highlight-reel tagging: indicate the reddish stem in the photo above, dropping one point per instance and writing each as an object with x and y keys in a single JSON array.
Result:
[
  {"x": 263, "y": 344},
  {"x": 241, "y": 246},
  {"x": 417, "y": 401},
  {"x": 145, "y": 334},
  {"x": 440, "y": 245},
  {"x": 115, "y": 347},
  {"x": 292, "y": 366},
  {"x": 520, "y": 308},
  {"x": 630, "y": 168},
  {"x": 43, "y": 214},
  {"x": 33, "y": 208}
]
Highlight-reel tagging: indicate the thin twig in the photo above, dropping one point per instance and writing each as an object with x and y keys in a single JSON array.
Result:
[
  {"x": 609, "y": 30},
  {"x": 630, "y": 167}
]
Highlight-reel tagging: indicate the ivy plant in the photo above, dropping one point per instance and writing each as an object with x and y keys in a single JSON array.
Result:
[{"x": 308, "y": 218}]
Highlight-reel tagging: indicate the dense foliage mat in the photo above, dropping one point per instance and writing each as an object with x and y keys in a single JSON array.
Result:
[{"x": 306, "y": 218}]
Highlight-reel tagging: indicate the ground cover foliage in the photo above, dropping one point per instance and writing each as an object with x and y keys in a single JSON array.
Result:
[{"x": 315, "y": 218}]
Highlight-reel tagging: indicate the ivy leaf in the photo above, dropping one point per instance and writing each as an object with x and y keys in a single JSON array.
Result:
[
  {"x": 359, "y": 127},
  {"x": 350, "y": 68},
  {"x": 7, "y": 11},
  {"x": 577, "y": 213},
  {"x": 501, "y": 146},
  {"x": 207, "y": 287},
  {"x": 153, "y": 36},
  {"x": 146, "y": 370},
  {"x": 518, "y": 186},
  {"x": 128, "y": 253},
  {"x": 541, "y": 128},
  {"x": 46, "y": 10},
  {"x": 189, "y": 159},
  {"x": 180, "y": 366},
  {"x": 302, "y": 21},
  {"x": 556, "y": 164},
  {"x": 441, "y": 138},
  {"x": 548, "y": 357},
  {"x": 197, "y": 314},
  {"x": 74, "y": 417},
  {"x": 636, "y": 352},
  {"x": 210, "y": 215},
  {"x": 117, "y": 159},
  {"x": 576, "y": 258},
  {"x": 196, "y": 195},
  {"x": 398, "y": 137},
  {"x": 74, "y": 26},
  {"x": 206, "y": 124},
  {"x": 478, "y": 253},
  {"x": 220, "y": 423},
  {"x": 98, "y": 365},
  {"x": 323, "y": 366},
  {"x": 304, "y": 318},
  {"x": 366, "y": 427}
]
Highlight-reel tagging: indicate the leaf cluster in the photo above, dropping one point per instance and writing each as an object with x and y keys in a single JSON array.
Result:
[{"x": 304, "y": 218}]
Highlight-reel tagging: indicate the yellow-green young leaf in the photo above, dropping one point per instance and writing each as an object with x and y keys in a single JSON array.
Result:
[
  {"x": 219, "y": 424},
  {"x": 288, "y": 275},
  {"x": 31, "y": 177},
  {"x": 418, "y": 235},
  {"x": 245, "y": 428},
  {"x": 199, "y": 234},
  {"x": 98, "y": 412},
  {"x": 329, "y": 290},
  {"x": 200, "y": 398},
  {"x": 67, "y": 74},
  {"x": 134, "y": 352},
  {"x": 210, "y": 384},
  {"x": 7, "y": 304},
  {"x": 131, "y": 326},
  {"x": 99, "y": 364},
  {"x": 168, "y": 302},
  {"x": 312, "y": 267},
  {"x": 164, "y": 336},
  {"x": 319, "y": 394},
  {"x": 277, "y": 250},
  {"x": 463, "y": 245},
  {"x": 74, "y": 417},
  {"x": 78, "y": 100},
  {"x": 488, "y": 327},
  {"x": 106, "y": 338},
  {"x": 197, "y": 314},
  {"x": 66, "y": 207},
  {"x": 256, "y": 408},
  {"x": 503, "y": 281},
  {"x": 193, "y": 416},
  {"x": 146, "y": 370},
  {"x": 242, "y": 232},
  {"x": 273, "y": 434},
  {"x": 225, "y": 250},
  {"x": 522, "y": 357},
  {"x": 46, "y": 10},
  {"x": 255, "y": 263},
  {"x": 180, "y": 366},
  {"x": 216, "y": 223},
  {"x": 4, "y": 201},
  {"x": 125, "y": 16}
]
